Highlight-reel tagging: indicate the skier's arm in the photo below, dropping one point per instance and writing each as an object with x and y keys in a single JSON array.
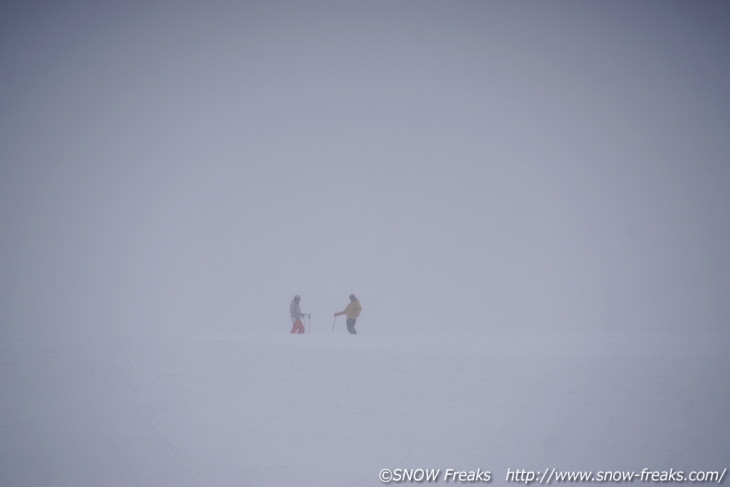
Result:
[{"x": 344, "y": 311}]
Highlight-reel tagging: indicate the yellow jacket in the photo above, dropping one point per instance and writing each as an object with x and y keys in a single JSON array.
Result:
[{"x": 352, "y": 311}]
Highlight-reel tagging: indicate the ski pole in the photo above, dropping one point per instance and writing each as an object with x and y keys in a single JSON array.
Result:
[
  {"x": 309, "y": 318},
  {"x": 333, "y": 324}
]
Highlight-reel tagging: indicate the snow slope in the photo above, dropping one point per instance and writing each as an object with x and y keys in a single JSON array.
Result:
[{"x": 332, "y": 410}]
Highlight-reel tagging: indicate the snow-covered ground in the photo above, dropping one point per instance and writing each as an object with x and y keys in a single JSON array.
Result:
[{"x": 333, "y": 410}]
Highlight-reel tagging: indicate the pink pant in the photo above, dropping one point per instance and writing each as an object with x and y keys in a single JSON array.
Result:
[{"x": 298, "y": 327}]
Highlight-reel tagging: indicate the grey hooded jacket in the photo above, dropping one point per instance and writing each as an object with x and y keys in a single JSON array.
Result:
[{"x": 295, "y": 310}]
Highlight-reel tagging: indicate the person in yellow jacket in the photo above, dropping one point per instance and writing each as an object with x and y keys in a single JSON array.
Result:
[{"x": 352, "y": 311}]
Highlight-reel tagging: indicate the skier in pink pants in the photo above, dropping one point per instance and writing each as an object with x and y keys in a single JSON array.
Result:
[{"x": 296, "y": 316}]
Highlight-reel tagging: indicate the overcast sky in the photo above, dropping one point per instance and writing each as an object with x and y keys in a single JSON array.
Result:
[{"x": 187, "y": 167}]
